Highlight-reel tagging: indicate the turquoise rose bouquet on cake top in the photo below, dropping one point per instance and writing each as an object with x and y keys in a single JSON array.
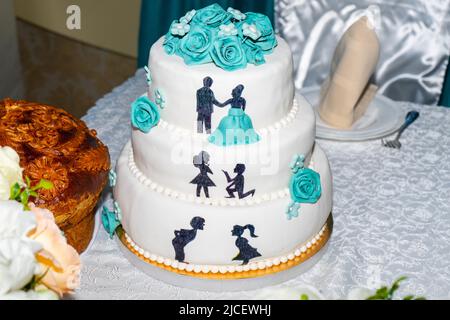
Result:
[{"x": 230, "y": 39}]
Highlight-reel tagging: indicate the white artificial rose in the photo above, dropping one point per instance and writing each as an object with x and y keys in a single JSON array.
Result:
[
  {"x": 15, "y": 223},
  {"x": 18, "y": 265},
  {"x": 286, "y": 293},
  {"x": 10, "y": 171},
  {"x": 42, "y": 294},
  {"x": 5, "y": 188}
]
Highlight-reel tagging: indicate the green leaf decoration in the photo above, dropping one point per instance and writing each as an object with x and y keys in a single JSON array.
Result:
[
  {"x": 385, "y": 293},
  {"x": 23, "y": 194},
  {"x": 43, "y": 184},
  {"x": 33, "y": 194},
  {"x": 15, "y": 191},
  {"x": 24, "y": 200}
]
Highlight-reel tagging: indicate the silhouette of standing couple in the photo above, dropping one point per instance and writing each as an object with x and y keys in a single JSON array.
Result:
[{"x": 234, "y": 129}]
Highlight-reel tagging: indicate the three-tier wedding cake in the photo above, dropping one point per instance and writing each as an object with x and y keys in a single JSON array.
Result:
[{"x": 222, "y": 178}]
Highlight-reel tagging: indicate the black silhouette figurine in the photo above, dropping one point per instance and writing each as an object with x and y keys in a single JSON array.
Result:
[
  {"x": 202, "y": 180},
  {"x": 205, "y": 106},
  {"x": 183, "y": 237},
  {"x": 237, "y": 183},
  {"x": 246, "y": 251}
]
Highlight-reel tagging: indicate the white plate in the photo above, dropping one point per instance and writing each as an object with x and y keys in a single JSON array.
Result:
[{"x": 381, "y": 119}]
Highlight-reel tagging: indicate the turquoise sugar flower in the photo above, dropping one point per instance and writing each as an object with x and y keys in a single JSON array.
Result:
[
  {"x": 297, "y": 163},
  {"x": 227, "y": 30},
  {"x": 188, "y": 16},
  {"x": 148, "y": 75},
  {"x": 109, "y": 221},
  {"x": 267, "y": 40},
  {"x": 112, "y": 177},
  {"x": 211, "y": 16},
  {"x": 195, "y": 47},
  {"x": 180, "y": 29},
  {"x": 237, "y": 15},
  {"x": 171, "y": 44},
  {"x": 305, "y": 186},
  {"x": 254, "y": 53},
  {"x": 251, "y": 31},
  {"x": 159, "y": 99},
  {"x": 293, "y": 210},
  {"x": 144, "y": 114},
  {"x": 228, "y": 54}
]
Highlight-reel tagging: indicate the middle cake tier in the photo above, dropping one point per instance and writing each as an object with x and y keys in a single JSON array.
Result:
[{"x": 171, "y": 157}]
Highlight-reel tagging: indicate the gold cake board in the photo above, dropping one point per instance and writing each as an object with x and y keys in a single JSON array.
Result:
[{"x": 240, "y": 280}]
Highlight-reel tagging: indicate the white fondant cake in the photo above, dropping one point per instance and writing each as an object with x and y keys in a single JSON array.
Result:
[{"x": 200, "y": 207}]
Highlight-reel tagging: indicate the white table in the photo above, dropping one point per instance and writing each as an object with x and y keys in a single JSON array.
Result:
[{"x": 391, "y": 211}]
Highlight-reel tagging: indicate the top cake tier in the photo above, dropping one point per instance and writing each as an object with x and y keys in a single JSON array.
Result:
[{"x": 268, "y": 87}]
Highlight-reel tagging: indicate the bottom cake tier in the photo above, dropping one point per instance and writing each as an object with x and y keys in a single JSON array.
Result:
[{"x": 219, "y": 239}]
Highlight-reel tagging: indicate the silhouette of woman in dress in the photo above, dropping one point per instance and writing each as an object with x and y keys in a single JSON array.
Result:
[
  {"x": 237, "y": 127},
  {"x": 202, "y": 180},
  {"x": 183, "y": 237},
  {"x": 237, "y": 183},
  {"x": 246, "y": 251}
]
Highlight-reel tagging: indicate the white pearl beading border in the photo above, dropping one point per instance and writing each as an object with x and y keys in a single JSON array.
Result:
[
  {"x": 223, "y": 269},
  {"x": 283, "y": 123},
  {"x": 215, "y": 202}
]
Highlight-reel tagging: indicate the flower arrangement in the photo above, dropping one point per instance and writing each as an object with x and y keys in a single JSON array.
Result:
[
  {"x": 359, "y": 293},
  {"x": 35, "y": 260},
  {"x": 230, "y": 39}
]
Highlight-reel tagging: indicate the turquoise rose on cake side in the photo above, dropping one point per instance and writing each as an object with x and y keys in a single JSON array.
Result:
[
  {"x": 194, "y": 48},
  {"x": 211, "y": 16},
  {"x": 305, "y": 186},
  {"x": 228, "y": 53},
  {"x": 144, "y": 114}
]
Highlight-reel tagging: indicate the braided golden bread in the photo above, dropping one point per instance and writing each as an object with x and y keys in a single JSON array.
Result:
[{"x": 54, "y": 145}]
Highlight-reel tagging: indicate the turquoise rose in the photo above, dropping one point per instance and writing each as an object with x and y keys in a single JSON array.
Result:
[
  {"x": 144, "y": 114},
  {"x": 305, "y": 186},
  {"x": 267, "y": 41},
  {"x": 254, "y": 53},
  {"x": 228, "y": 54},
  {"x": 110, "y": 221},
  {"x": 212, "y": 16},
  {"x": 195, "y": 46},
  {"x": 171, "y": 44}
]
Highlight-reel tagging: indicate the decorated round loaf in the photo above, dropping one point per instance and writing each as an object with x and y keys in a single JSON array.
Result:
[{"x": 54, "y": 145}]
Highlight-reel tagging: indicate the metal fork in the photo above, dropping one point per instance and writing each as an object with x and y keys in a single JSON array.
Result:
[{"x": 395, "y": 144}]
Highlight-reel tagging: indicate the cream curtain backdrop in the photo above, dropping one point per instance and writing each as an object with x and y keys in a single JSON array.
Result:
[
  {"x": 11, "y": 84},
  {"x": 414, "y": 36}
]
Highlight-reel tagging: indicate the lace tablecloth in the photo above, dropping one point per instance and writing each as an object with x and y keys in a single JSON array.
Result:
[{"x": 391, "y": 211}]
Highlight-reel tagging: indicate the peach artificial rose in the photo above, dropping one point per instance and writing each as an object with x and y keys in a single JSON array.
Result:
[{"x": 59, "y": 261}]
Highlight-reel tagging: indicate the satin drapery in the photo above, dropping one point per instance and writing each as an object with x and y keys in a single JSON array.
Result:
[{"x": 414, "y": 36}]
